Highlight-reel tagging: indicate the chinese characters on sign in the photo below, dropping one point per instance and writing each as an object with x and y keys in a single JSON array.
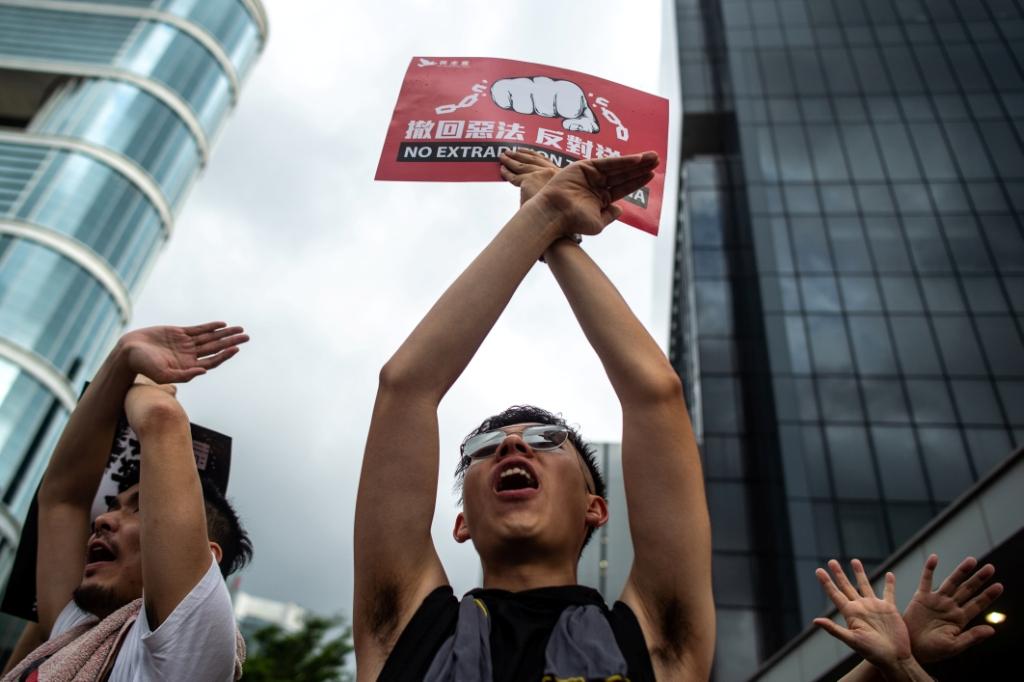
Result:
[{"x": 455, "y": 116}]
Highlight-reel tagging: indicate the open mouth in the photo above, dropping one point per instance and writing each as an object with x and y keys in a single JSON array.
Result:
[
  {"x": 99, "y": 551},
  {"x": 515, "y": 476}
]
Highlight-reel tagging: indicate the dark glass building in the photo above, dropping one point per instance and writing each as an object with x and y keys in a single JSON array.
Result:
[{"x": 849, "y": 286}]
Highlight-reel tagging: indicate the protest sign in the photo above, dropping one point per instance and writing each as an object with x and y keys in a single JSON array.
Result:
[
  {"x": 455, "y": 115},
  {"x": 212, "y": 451}
]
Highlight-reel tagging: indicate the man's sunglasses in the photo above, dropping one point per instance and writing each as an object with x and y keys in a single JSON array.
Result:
[{"x": 539, "y": 437}]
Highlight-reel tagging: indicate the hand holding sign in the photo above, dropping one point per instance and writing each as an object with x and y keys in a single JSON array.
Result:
[{"x": 548, "y": 98}]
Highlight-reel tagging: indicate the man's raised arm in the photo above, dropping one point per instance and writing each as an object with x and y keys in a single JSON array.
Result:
[
  {"x": 669, "y": 587},
  {"x": 396, "y": 564},
  {"x": 165, "y": 354}
]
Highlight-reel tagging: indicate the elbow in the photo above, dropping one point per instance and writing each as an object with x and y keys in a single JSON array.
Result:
[
  {"x": 660, "y": 386},
  {"x": 398, "y": 378},
  {"x": 159, "y": 416}
]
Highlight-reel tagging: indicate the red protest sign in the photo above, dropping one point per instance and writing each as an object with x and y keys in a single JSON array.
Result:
[{"x": 456, "y": 115}]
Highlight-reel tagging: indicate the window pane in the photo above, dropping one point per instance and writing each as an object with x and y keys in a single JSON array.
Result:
[
  {"x": 958, "y": 345},
  {"x": 898, "y": 463},
  {"x": 860, "y": 294},
  {"x": 988, "y": 447},
  {"x": 828, "y": 344},
  {"x": 814, "y": 462},
  {"x": 851, "y": 251},
  {"x": 727, "y": 505},
  {"x": 884, "y": 400},
  {"x": 871, "y": 344},
  {"x": 976, "y": 402},
  {"x": 948, "y": 468},
  {"x": 839, "y": 400},
  {"x": 906, "y": 519},
  {"x": 1002, "y": 345},
  {"x": 723, "y": 411},
  {"x": 853, "y": 474},
  {"x": 914, "y": 345},
  {"x": 863, "y": 529},
  {"x": 930, "y": 402},
  {"x": 820, "y": 294},
  {"x": 901, "y": 294},
  {"x": 942, "y": 295}
]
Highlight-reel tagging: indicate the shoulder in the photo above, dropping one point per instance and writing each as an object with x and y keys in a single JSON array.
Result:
[{"x": 197, "y": 641}]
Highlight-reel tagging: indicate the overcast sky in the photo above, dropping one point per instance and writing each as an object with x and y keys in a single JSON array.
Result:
[{"x": 288, "y": 235}]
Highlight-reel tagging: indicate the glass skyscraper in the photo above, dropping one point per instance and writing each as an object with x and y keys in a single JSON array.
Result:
[
  {"x": 849, "y": 286},
  {"x": 107, "y": 114}
]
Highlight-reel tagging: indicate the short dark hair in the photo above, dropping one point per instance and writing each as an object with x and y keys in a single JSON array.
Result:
[
  {"x": 529, "y": 414},
  {"x": 222, "y": 523}
]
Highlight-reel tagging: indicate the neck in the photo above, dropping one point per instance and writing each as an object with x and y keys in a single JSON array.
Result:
[{"x": 529, "y": 575}]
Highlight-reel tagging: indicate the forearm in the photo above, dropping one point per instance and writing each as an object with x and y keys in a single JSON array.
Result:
[
  {"x": 864, "y": 672},
  {"x": 444, "y": 342},
  {"x": 77, "y": 463},
  {"x": 636, "y": 366},
  {"x": 175, "y": 547}
]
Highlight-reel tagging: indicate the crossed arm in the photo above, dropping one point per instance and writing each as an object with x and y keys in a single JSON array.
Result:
[
  {"x": 172, "y": 498},
  {"x": 932, "y": 628},
  {"x": 396, "y": 564},
  {"x": 669, "y": 587}
]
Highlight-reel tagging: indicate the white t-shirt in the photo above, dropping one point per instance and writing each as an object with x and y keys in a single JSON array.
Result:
[{"x": 196, "y": 642}]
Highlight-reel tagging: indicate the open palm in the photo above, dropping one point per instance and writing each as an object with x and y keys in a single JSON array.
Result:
[
  {"x": 179, "y": 354},
  {"x": 936, "y": 619},
  {"x": 874, "y": 627}
]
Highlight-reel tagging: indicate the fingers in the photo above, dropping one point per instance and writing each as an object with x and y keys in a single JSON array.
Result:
[
  {"x": 511, "y": 176},
  {"x": 611, "y": 165},
  {"x": 950, "y": 584},
  {"x": 966, "y": 591},
  {"x": 841, "y": 580},
  {"x": 834, "y": 629},
  {"x": 626, "y": 188},
  {"x": 216, "y": 360},
  {"x": 831, "y": 591},
  {"x": 889, "y": 594},
  {"x": 965, "y": 640},
  {"x": 982, "y": 601},
  {"x": 219, "y": 345},
  {"x": 526, "y": 158},
  {"x": 203, "y": 328},
  {"x": 927, "y": 573},
  {"x": 862, "y": 578},
  {"x": 215, "y": 335}
]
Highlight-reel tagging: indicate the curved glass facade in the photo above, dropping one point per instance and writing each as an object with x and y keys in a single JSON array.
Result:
[{"x": 82, "y": 184}]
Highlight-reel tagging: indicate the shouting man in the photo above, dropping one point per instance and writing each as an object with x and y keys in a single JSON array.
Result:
[
  {"x": 138, "y": 592},
  {"x": 531, "y": 492}
]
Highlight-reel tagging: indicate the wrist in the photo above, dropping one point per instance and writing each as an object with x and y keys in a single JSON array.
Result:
[
  {"x": 551, "y": 214},
  {"x": 903, "y": 669}
]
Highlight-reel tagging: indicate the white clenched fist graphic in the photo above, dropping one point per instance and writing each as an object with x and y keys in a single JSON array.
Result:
[{"x": 546, "y": 97}]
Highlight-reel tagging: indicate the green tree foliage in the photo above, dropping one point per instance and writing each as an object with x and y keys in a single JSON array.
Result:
[{"x": 316, "y": 653}]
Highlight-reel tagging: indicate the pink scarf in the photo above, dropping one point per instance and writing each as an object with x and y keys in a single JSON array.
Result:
[{"x": 86, "y": 652}]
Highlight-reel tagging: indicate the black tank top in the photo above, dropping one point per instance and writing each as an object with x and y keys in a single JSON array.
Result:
[{"x": 521, "y": 623}]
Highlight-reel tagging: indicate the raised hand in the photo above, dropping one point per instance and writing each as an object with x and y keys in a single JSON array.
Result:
[
  {"x": 583, "y": 193},
  {"x": 527, "y": 170},
  {"x": 874, "y": 627},
  {"x": 936, "y": 620},
  {"x": 179, "y": 354}
]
